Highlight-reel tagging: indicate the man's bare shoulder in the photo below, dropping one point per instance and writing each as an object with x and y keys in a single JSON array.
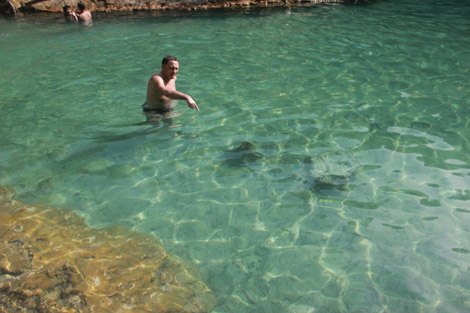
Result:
[
  {"x": 85, "y": 16},
  {"x": 157, "y": 78}
]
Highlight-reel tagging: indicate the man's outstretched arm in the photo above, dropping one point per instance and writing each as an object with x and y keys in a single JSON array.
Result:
[{"x": 174, "y": 94}]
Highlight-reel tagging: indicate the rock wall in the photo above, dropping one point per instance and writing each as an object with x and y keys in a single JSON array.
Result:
[
  {"x": 12, "y": 7},
  {"x": 51, "y": 261}
]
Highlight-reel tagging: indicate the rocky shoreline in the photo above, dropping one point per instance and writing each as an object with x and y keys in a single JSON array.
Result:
[
  {"x": 19, "y": 7},
  {"x": 51, "y": 261}
]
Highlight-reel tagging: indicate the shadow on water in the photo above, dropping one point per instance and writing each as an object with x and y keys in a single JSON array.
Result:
[
  {"x": 154, "y": 124},
  {"x": 107, "y": 137}
]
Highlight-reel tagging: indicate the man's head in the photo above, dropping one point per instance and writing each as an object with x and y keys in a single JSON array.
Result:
[
  {"x": 81, "y": 6},
  {"x": 169, "y": 58},
  {"x": 170, "y": 66},
  {"x": 67, "y": 10}
]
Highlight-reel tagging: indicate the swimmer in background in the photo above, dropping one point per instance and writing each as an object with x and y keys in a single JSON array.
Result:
[
  {"x": 70, "y": 16},
  {"x": 161, "y": 89},
  {"x": 83, "y": 15}
]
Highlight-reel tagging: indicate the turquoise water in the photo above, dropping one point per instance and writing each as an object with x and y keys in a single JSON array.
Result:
[{"x": 327, "y": 171}]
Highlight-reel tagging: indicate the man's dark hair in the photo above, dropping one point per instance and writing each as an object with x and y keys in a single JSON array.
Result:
[
  {"x": 65, "y": 7},
  {"x": 81, "y": 5},
  {"x": 168, "y": 58}
]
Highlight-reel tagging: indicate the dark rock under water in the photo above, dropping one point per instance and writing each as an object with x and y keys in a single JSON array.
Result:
[
  {"x": 242, "y": 155},
  {"x": 329, "y": 171}
]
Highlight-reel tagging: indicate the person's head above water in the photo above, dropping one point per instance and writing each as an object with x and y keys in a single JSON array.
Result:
[
  {"x": 67, "y": 10},
  {"x": 170, "y": 66},
  {"x": 168, "y": 58},
  {"x": 81, "y": 6}
]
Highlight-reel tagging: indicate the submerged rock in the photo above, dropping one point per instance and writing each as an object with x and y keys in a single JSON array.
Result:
[
  {"x": 51, "y": 261},
  {"x": 242, "y": 155},
  {"x": 329, "y": 171}
]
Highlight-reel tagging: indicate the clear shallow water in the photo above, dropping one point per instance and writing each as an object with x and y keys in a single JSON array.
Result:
[{"x": 351, "y": 192}]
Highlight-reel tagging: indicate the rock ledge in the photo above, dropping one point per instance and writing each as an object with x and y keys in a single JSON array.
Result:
[{"x": 15, "y": 7}]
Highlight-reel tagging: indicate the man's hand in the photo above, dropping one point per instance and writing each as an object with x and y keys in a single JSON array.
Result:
[{"x": 191, "y": 103}]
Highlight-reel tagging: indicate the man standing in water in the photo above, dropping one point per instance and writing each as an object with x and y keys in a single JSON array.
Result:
[
  {"x": 83, "y": 15},
  {"x": 161, "y": 89}
]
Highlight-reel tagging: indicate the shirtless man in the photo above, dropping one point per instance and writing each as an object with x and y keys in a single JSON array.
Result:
[
  {"x": 83, "y": 15},
  {"x": 162, "y": 89}
]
